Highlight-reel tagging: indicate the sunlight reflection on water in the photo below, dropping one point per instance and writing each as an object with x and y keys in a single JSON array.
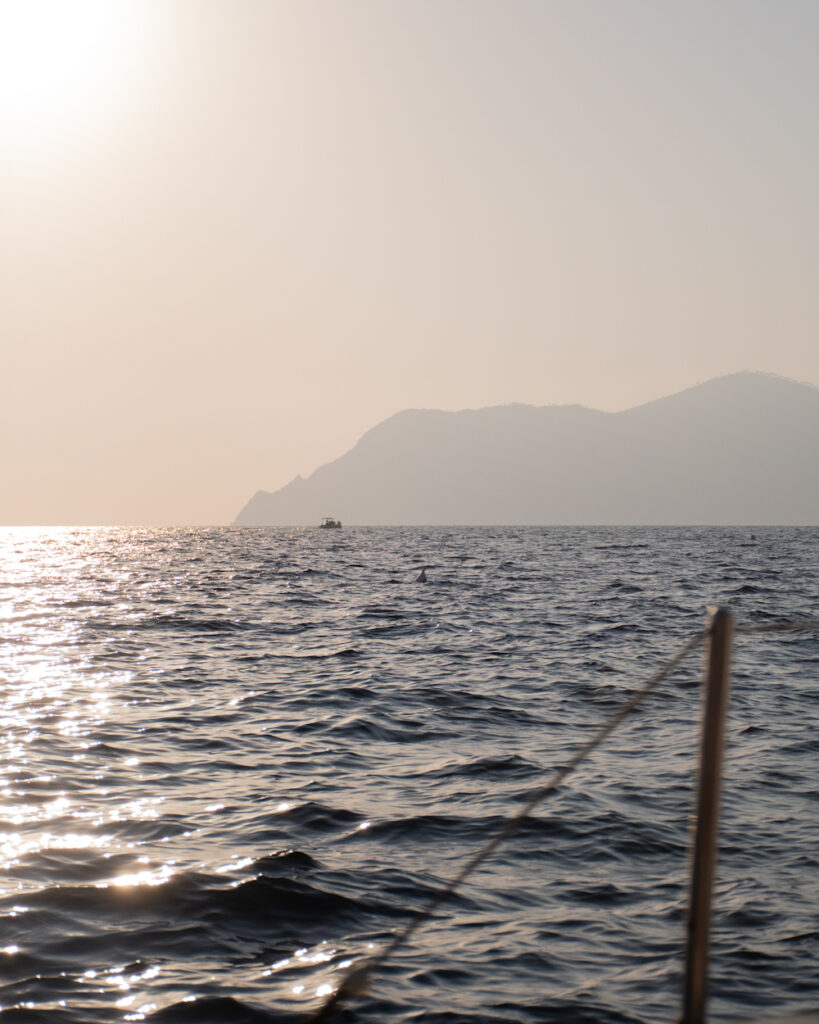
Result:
[
  {"x": 57, "y": 705},
  {"x": 234, "y": 761}
]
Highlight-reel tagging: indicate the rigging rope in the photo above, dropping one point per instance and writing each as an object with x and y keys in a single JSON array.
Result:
[{"x": 355, "y": 981}]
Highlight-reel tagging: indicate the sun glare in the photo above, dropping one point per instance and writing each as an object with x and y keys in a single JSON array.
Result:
[{"x": 64, "y": 64}]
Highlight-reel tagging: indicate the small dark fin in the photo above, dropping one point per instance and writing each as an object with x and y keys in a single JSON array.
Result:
[{"x": 421, "y": 577}]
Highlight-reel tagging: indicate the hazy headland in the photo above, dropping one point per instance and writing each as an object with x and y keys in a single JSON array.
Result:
[{"x": 739, "y": 449}]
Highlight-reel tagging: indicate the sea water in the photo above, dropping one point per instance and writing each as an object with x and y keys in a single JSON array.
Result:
[{"x": 235, "y": 760}]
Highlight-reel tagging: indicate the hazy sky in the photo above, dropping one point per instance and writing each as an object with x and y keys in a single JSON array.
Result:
[{"x": 235, "y": 234}]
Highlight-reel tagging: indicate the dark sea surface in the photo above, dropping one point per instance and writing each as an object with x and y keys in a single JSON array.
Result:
[{"x": 235, "y": 760}]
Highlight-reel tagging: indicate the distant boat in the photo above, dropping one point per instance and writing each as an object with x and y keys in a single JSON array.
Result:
[{"x": 328, "y": 523}]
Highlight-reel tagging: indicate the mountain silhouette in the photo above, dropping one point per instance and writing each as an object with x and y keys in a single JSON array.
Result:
[{"x": 740, "y": 449}]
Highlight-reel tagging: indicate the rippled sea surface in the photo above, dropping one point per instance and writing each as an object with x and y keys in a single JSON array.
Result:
[{"x": 234, "y": 760}]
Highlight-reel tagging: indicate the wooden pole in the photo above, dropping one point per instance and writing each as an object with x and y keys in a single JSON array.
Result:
[{"x": 715, "y": 706}]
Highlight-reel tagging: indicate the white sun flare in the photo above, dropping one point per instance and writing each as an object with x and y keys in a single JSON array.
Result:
[{"x": 64, "y": 64}]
